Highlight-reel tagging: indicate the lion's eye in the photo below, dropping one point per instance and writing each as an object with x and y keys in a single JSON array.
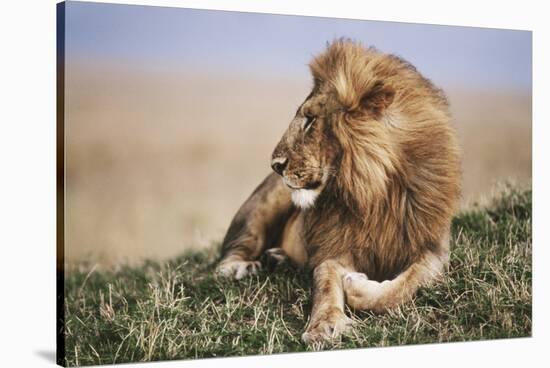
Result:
[{"x": 309, "y": 121}]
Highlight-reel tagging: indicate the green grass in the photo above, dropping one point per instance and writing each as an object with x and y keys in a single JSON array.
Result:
[{"x": 180, "y": 310}]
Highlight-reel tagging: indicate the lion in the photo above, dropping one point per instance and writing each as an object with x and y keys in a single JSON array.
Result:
[{"x": 366, "y": 181}]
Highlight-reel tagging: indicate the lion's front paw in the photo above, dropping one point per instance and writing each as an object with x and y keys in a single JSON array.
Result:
[
  {"x": 327, "y": 326},
  {"x": 237, "y": 268},
  {"x": 362, "y": 293}
]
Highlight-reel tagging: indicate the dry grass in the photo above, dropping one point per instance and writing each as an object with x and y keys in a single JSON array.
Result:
[
  {"x": 180, "y": 310},
  {"x": 158, "y": 163}
]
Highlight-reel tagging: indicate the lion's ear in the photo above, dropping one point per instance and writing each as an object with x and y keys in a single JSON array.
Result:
[{"x": 378, "y": 98}]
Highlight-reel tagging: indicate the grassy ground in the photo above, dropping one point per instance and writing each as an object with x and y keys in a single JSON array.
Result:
[{"x": 179, "y": 310}]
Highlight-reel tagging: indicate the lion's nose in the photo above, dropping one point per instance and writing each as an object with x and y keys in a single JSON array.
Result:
[{"x": 278, "y": 164}]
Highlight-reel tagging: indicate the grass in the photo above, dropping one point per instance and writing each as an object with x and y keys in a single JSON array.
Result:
[{"x": 180, "y": 310}]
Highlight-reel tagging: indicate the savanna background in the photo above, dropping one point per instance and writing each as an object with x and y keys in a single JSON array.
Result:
[{"x": 171, "y": 116}]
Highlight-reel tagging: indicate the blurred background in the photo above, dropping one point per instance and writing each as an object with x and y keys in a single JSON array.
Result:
[{"x": 172, "y": 114}]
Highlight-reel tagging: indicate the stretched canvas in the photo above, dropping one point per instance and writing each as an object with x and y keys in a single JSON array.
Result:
[{"x": 237, "y": 183}]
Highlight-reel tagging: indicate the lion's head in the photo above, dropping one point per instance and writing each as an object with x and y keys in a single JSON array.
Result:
[
  {"x": 342, "y": 133},
  {"x": 308, "y": 153}
]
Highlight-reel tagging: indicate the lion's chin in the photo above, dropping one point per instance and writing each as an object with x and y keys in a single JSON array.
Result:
[{"x": 304, "y": 198}]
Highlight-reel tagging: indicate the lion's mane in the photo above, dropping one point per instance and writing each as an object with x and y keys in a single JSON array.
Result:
[{"x": 398, "y": 182}]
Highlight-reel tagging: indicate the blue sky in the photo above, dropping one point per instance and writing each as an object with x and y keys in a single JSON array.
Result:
[{"x": 232, "y": 42}]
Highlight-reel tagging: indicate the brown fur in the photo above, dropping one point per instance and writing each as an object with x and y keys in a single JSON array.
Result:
[{"x": 374, "y": 144}]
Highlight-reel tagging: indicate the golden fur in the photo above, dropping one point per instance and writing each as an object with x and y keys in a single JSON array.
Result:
[{"x": 373, "y": 166}]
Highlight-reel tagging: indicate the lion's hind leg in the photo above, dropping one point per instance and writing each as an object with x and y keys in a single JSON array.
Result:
[
  {"x": 237, "y": 262},
  {"x": 257, "y": 226},
  {"x": 364, "y": 294}
]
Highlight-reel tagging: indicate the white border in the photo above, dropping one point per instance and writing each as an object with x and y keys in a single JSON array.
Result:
[{"x": 27, "y": 185}]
